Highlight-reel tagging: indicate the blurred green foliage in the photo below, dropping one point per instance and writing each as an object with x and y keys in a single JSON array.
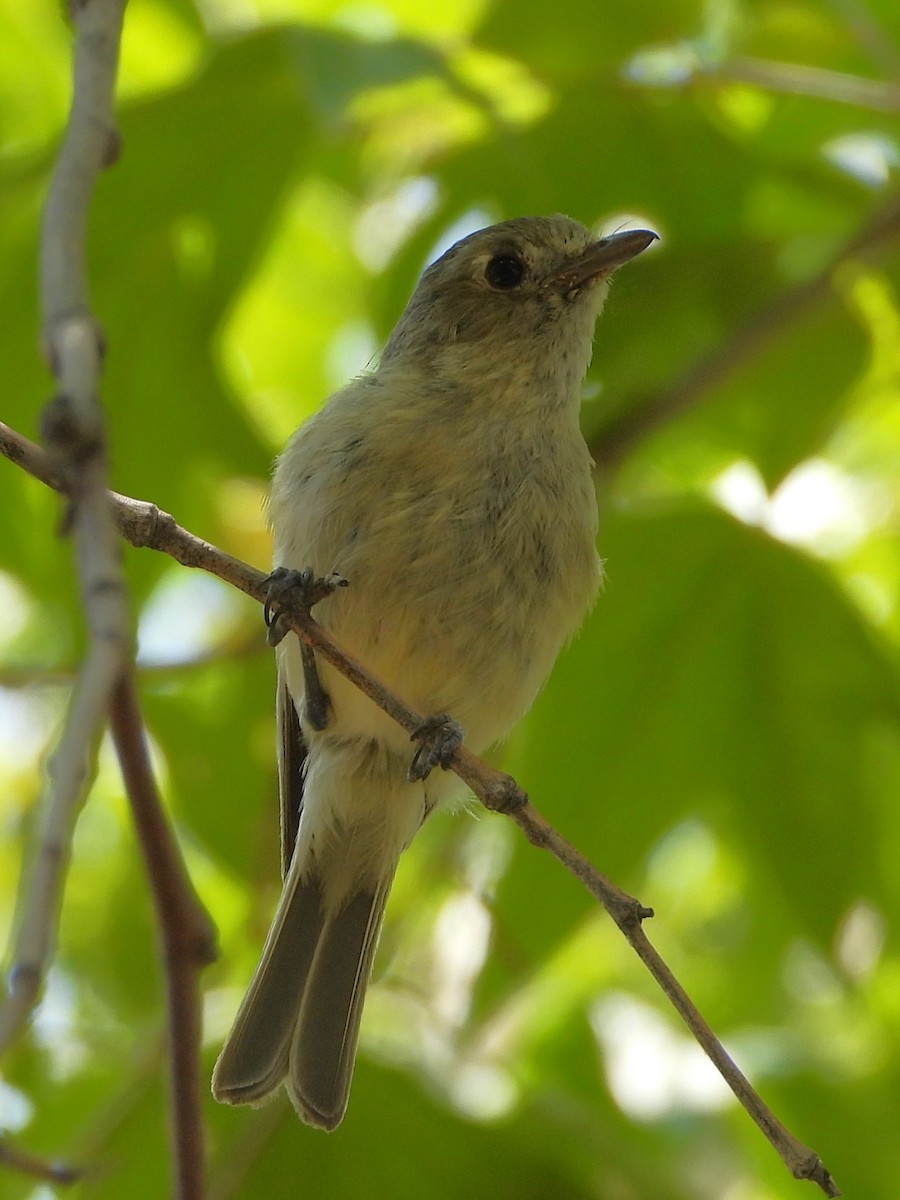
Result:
[{"x": 724, "y": 737}]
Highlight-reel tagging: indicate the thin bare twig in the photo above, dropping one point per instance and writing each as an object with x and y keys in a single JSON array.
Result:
[
  {"x": 799, "y": 79},
  {"x": 145, "y": 525},
  {"x": 38, "y": 1168},
  {"x": 648, "y": 414},
  {"x": 73, "y": 430},
  {"x": 187, "y": 934}
]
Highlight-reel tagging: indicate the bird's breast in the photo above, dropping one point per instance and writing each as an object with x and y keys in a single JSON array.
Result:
[{"x": 471, "y": 560}]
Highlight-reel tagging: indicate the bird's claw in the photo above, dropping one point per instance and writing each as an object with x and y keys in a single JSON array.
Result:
[
  {"x": 288, "y": 589},
  {"x": 438, "y": 737}
]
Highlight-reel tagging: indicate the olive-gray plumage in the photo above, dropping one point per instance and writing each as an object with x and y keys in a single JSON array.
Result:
[{"x": 452, "y": 488}]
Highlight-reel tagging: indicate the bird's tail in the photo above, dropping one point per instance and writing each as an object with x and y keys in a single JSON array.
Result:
[{"x": 299, "y": 1022}]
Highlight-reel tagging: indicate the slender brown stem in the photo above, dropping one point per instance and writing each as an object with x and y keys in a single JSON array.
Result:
[
  {"x": 38, "y": 1168},
  {"x": 187, "y": 934}
]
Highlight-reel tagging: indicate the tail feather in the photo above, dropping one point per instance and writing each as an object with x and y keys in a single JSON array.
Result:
[
  {"x": 254, "y": 1059},
  {"x": 299, "y": 1021},
  {"x": 323, "y": 1050},
  {"x": 347, "y": 813}
]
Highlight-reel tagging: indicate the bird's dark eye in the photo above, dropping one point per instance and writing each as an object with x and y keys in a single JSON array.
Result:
[{"x": 504, "y": 271}]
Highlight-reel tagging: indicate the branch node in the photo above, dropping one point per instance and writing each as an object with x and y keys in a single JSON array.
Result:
[
  {"x": 505, "y": 796},
  {"x": 629, "y": 914},
  {"x": 143, "y": 524},
  {"x": 156, "y": 521},
  {"x": 813, "y": 1169}
]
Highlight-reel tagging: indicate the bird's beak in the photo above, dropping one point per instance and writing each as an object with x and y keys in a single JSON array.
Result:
[{"x": 604, "y": 257}]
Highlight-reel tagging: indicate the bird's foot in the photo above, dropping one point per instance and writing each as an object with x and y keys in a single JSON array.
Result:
[
  {"x": 289, "y": 591},
  {"x": 438, "y": 737}
]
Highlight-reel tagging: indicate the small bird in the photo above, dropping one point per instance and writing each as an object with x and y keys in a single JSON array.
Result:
[{"x": 452, "y": 488}]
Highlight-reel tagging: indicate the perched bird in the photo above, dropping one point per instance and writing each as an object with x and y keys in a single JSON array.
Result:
[{"x": 452, "y": 488}]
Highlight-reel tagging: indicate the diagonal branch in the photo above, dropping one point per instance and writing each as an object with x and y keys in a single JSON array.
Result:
[
  {"x": 145, "y": 525},
  {"x": 58, "y": 1173},
  {"x": 708, "y": 372},
  {"x": 801, "y": 79}
]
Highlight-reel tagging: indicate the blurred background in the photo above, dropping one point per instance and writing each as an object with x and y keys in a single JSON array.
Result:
[{"x": 723, "y": 739}]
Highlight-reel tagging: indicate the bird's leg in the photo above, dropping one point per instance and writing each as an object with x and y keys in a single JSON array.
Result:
[
  {"x": 298, "y": 591},
  {"x": 438, "y": 737},
  {"x": 317, "y": 702}
]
